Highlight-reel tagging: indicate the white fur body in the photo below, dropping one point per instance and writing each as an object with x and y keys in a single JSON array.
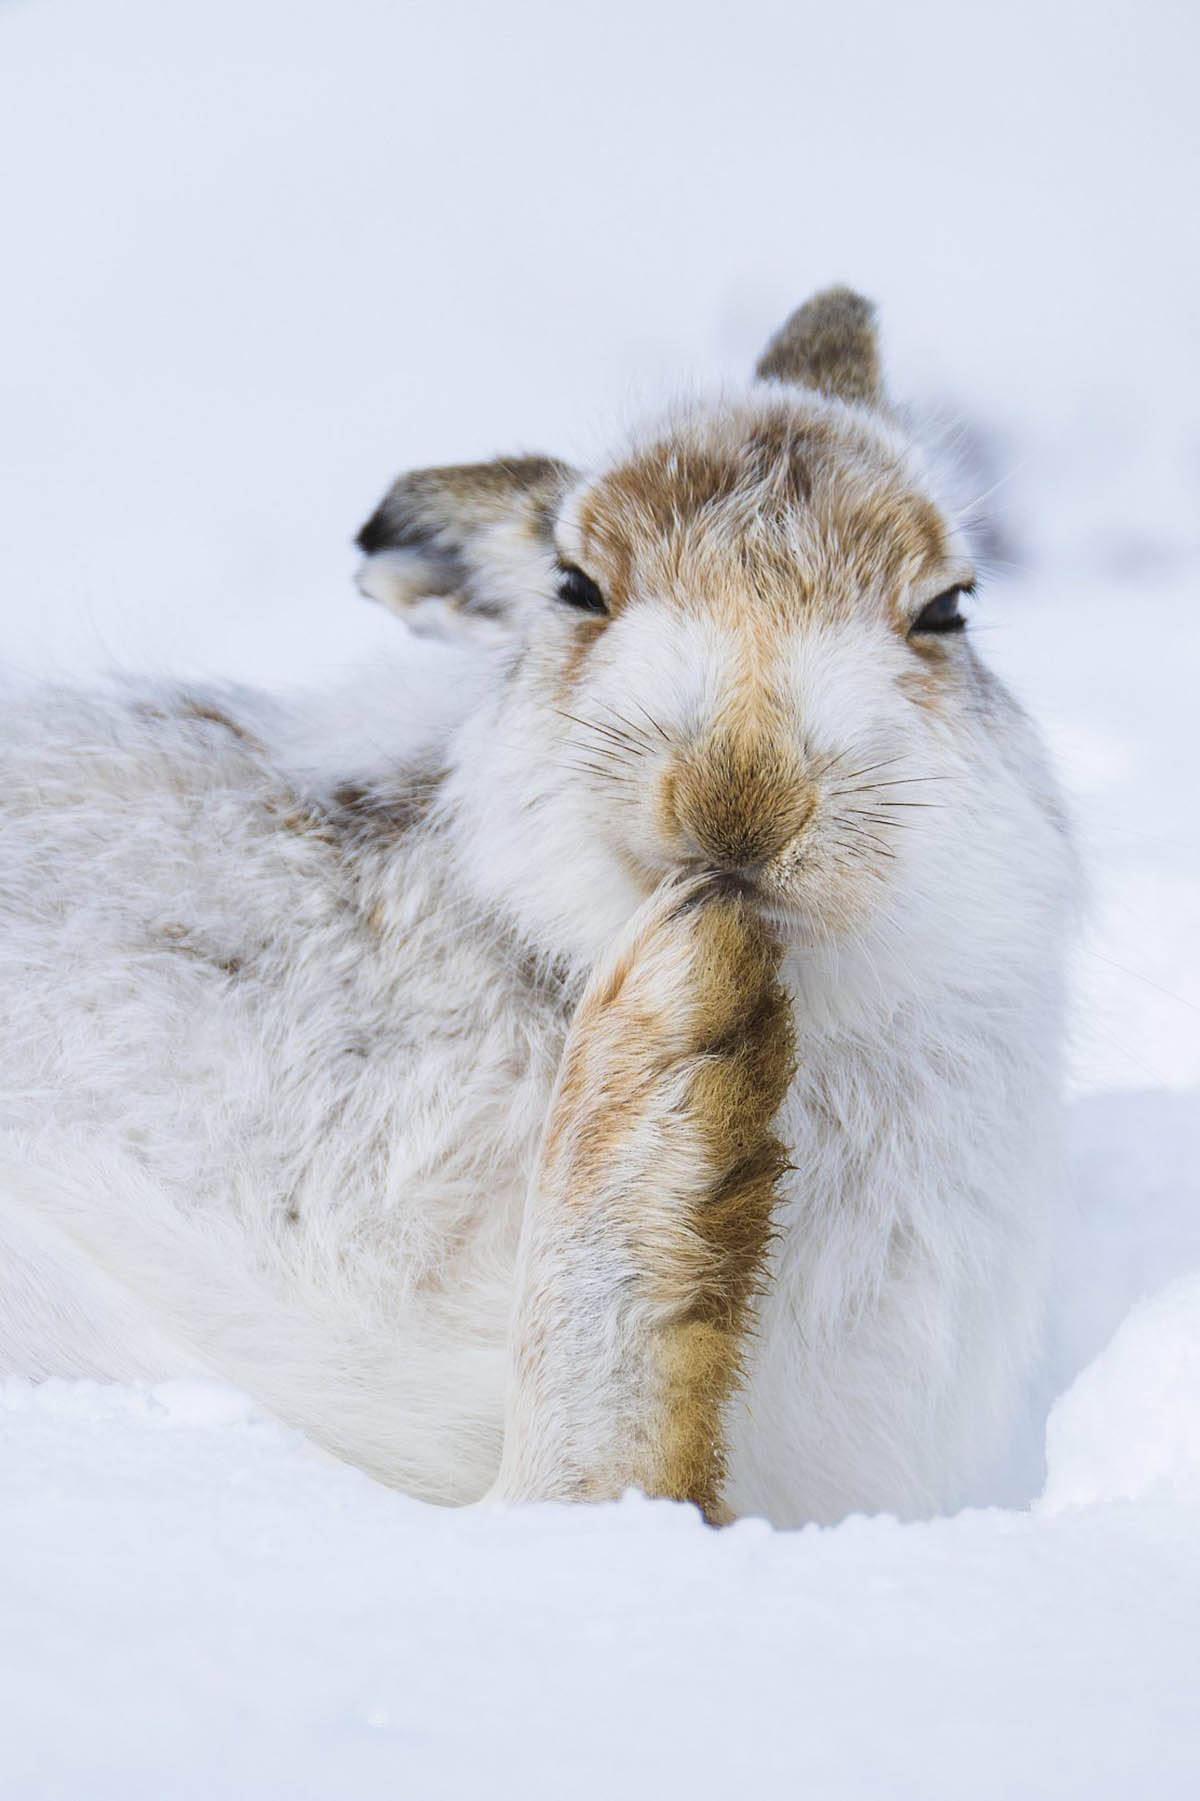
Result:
[
  {"x": 273, "y": 1080},
  {"x": 292, "y": 1146}
]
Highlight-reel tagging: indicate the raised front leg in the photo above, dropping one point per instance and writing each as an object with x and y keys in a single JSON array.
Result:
[{"x": 647, "y": 1224}]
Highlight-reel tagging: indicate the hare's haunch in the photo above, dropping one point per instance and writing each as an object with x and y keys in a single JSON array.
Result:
[{"x": 646, "y": 1071}]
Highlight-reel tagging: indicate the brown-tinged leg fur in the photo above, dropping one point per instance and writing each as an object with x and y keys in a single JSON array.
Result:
[{"x": 649, "y": 1217}]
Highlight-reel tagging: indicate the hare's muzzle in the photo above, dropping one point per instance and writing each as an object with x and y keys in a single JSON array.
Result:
[{"x": 734, "y": 804}]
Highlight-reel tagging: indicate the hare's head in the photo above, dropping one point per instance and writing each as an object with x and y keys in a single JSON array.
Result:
[{"x": 736, "y": 647}]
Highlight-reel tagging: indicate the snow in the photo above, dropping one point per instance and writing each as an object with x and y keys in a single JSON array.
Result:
[
  {"x": 1130, "y": 1424},
  {"x": 259, "y": 256},
  {"x": 202, "y": 1609}
]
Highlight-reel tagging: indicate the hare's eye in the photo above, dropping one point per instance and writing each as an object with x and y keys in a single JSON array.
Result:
[
  {"x": 575, "y": 589},
  {"x": 943, "y": 614}
]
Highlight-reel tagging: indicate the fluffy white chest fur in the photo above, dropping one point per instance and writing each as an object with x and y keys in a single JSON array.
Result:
[{"x": 278, "y": 1050}]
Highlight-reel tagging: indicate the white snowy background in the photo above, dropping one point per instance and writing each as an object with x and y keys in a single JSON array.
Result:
[{"x": 255, "y": 257}]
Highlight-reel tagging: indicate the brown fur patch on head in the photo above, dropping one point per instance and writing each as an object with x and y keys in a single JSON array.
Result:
[{"x": 756, "y": 512}]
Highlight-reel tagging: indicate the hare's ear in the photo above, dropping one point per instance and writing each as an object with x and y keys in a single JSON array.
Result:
[
  {"x": 452, "y": 550},
  {"x": 828, "y": 344}
]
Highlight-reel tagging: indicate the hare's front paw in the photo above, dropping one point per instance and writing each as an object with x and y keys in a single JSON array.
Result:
[
  {"x": 650, "y": 1213},
  {"x": 677, "y": 1061}
]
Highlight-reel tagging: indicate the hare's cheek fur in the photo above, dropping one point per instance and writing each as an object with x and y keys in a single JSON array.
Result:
[{"x": 799, "y": 762}]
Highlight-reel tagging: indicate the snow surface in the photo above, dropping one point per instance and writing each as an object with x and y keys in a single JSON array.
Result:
[
  {"x": 1130, "y": 1425},
  {"x": 202, "y": 1610},
  {"x": 259, "y": 255}
]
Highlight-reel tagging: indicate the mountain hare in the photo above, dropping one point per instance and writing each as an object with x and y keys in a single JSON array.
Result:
[{"x": 656, "y": 1081}]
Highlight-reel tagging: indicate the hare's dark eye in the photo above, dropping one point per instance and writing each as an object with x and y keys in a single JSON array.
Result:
[
  {"x": 575, "y": 589},
  {"x": 943, "y": 614}
]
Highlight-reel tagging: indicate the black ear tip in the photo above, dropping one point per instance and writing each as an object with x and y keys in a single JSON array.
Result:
[
  {"x": 442, "y": 513},
  {"x": 375, "y": 534}
]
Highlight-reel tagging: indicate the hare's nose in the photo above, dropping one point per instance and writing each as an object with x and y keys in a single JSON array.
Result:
[{"x": 737, "y": 805}]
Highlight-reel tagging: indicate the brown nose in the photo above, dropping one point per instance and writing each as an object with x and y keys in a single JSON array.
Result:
[{"x": 738, "y": 803}]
